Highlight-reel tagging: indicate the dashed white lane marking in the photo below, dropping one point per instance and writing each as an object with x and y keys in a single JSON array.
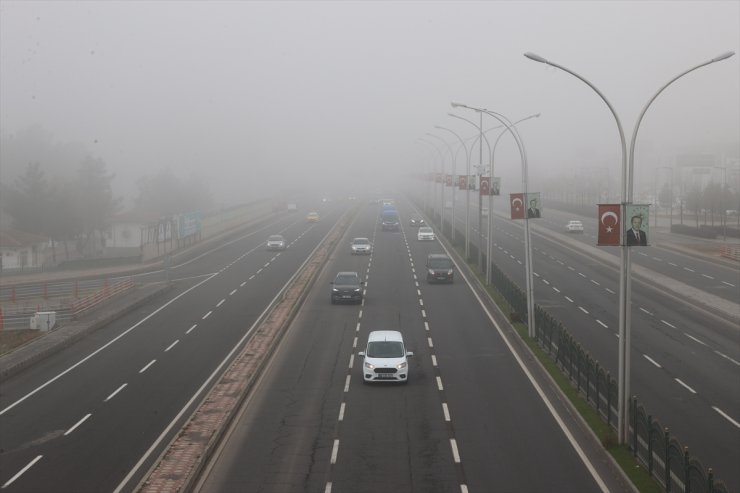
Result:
[
  {"x": 672, "y": 264},
  {"x": 191, "y": 329},
  {"x": 727, "y": 357},
  {"x": 115, "y": 392},
  {"x": 668, "y": 324},
  {"x": 351, "y": 360},
  {"x": 341, "y": 412},
  {"x": 583, "y": 310},
  {"x": 172, "y": 345},
  {"x": 335, "y": 451},
  {"x": 354, "y": 343},
  {"x": 147, "y": 366},
  {"x": 220, "y": 303},
  {"x": 418, "y": 292},
  {"x": 357, "y": 329},
  {"x": 695, "y": 339},
  {"x": 571, "y": 268},
  {"x": 455, "y": 453},
  {"x": 360, "y": 315},
  {"x": 602, "y": 323},
  {"x": 535, "y": 274},
  {"x": 426, "y": 326},
  {"x": 652, "y": 360},
  {"x": 424, "y": 313},
  {"x": 429, "y": 341},
  {"x": 720, "y": 411},
  {"x": 729, "y": 284},
  {"x": 421, "y": 302},
  {"x": 582, "y": 275},
  {"x": 610, "y": 291},
  {"x": 463, "y": 488},
  {"x": 708, "y": 277},
  {"x": 446, "y": 411},
  {"x": 207, "y": 315},
  {"x": 20, "y": 473},
  {"x": 690, "y": 270},
  {"x": 434, "y": 360},
  {"x": 266, "y": 265},
  {"x": 77, "y": 425},
  {"x": 546, "y": 281},
  {"x": 555, "y": 289},
  {"x": 251, "y": 277},
  {"x": 245, "y": 282},
  {"x": 569, "y": 299},
  {"x": 685, "y": 386},
  {"x": 643, "y": 254},
  {"x": 439, "y": 383},
  {"x": 519, "y": 262},
  {"x": 595, "y": 282},
  {"x": 259, "y": 270},
  {"x": 643, "y": 310},
  {"x": 346, "y": 384},
  {"x": 232, "y": 293}
]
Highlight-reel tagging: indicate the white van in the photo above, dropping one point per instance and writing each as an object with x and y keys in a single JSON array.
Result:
[{"x": 385, "y": 358}]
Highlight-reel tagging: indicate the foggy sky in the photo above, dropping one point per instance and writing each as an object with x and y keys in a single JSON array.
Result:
[{"x": 249, "y": 94}]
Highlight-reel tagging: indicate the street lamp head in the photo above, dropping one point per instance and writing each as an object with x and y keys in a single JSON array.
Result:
[
  {"x": 535, "y": 57},
  {"x": 457, "y": 105},
  {"x": 723, "y": 56}
]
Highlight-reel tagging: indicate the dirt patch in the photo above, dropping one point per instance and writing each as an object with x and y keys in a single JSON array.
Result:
[{"x": 12, "y": 339}]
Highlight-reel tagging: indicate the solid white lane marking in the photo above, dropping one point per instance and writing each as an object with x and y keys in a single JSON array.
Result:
[
  {"x": 602, "y": 323},
  {"x": 20, "y": 473},
  {"x": 232, "y": 293},
  {"x": 346, "y": 383},
  {"x": 720, "y": 411},
  {"x": 668, "y": 324},
  {"x": 652, "y": 360},
  {"x": 434, "y": 360},
  {"x": 610, "y": 291},
  {"x": 341, "y": 412},
  {"x": 694, "y": 339},
  {"x": 429, "y": 341},
  {"x": 569, "y": 299},
  {"x": 220, "y": 303},
  {"x": 685, "y": 386},
  {"x": 351, "y": 359},
  {"x": 583, "y": 310},
  {"x": 455, "y": 453},
  {"x": 335, "y": 451},
  {"x": 643, "y": 310},
  {"x": 77, "y": 425},
  {"x": 446, "y": 411},
  {"x": 115, "y": 392},
  {"x": 172, "y": 345},
  {"x": 207, "y": 315},
  {"x": 191, "y": 329},
  {"x": 439, "y": 383},
  {"x": 147, "y": 366}
]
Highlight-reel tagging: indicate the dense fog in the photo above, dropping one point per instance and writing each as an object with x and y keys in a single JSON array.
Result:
[{"x": 237, "y": 100}]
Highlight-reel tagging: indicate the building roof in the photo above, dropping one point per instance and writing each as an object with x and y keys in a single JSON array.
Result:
[{"x": 12, "y": 238}]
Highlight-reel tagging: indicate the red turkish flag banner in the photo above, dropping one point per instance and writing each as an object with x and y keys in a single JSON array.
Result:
[
  {"x": 448, "y": 180},
  {"x": 485, "y": 185},
  {"x": 462, "y": 181},
  {"x": 517, "y": 205},
  {"x": 610, "y": 224}
]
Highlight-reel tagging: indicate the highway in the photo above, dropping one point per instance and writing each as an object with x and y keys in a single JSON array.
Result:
[
  {"x": 469, "y": 416},
  {"x": 685, "y": 361},
  {"x": 101, "y": 410}
]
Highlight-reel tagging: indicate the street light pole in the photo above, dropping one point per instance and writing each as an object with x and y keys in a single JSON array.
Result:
[
  {"x": 625, "y": 274},
  {"x": 467, "y": 160},
  {"x": 452, "y": 156},
  {"x": 441, "y": 161}
]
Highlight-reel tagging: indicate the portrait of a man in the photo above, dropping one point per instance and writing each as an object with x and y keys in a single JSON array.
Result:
[
  {"x": 533, "y": 210},
  {"x": 635, "y": 235}
]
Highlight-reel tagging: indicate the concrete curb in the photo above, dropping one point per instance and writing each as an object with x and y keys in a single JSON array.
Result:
[{"x": 66, "y": 335}]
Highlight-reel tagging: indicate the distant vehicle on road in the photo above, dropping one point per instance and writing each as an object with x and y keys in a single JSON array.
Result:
[
  {"x": 312, "y": 217},
  {"x": 389, "y": 220},
  {"x": 361, "y": 246},
  {"x": 416, "y": 221},
  {"x": 440, "y": 268},
  {"x": 425, "y": 234},
  {"x": 275, "y": 242},
  {"x": 574, "y": 227},
  {"x": 346, "y": 287},
  {"x": 385, "y": 358}
]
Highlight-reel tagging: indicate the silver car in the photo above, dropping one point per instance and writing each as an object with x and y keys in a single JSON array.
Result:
[{"x": 361, "y": 246}]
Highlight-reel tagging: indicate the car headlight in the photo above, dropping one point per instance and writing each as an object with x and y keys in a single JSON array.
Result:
[
  {"x": 449, "y": 272},
  {"x": 401, "y": 366},
  {"x": 334, "y": 289},
  {"x": 357, "y": 290},
  {"x": 369, "y": 366}
]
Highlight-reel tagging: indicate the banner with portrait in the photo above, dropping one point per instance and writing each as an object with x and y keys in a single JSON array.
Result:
[
  {"x": 636, "y": 227},
  {"x": 534, "y": 205}
]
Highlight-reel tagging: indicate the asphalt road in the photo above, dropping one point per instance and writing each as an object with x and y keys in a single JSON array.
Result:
[
  {"x": 685, "y": 362},
  {"x": 468, "y": 417},
  {"x": 101, "y": 410}
]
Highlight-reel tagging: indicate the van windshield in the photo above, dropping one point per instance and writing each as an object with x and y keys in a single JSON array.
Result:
[
  {"x": 385, "y": 349},
  {"x": 440, "y": 263}
]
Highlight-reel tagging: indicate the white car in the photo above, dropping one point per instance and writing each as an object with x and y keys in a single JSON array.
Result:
[
  {"x": 425, "y": 234},
  {"x": 361, "y": 246},
  {"x": 275, "y": 242},
  {"x": 385, "y": 358},
  {"x": 574, "y": 227}
]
